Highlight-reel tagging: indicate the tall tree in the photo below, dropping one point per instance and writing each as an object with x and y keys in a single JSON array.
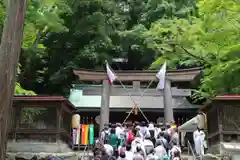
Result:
[
  {"x": 210, "y": 40},
  {"x": 9, "y": 56},
  {"x": 97, "y": 30}
]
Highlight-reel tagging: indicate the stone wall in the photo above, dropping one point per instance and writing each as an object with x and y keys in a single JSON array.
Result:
[{"x": 36, "y": 147}]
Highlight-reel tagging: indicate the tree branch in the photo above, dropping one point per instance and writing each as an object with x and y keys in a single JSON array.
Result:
[{"x": 192, "y": 55}]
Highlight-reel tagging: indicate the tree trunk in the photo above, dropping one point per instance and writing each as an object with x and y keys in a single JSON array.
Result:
[{"x": 9, "y": 56}]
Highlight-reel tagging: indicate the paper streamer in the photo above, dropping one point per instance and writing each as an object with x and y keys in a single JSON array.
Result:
[
  {"x": 83, "y": 134},
  {"x": 91, "y": 134},
  {"x": 74, "y": 136},
  {"x": 86, "y": 134},
  {"x": 78, "y": 134}
]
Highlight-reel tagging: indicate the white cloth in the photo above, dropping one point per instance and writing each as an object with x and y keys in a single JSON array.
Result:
[
  {"x": 148, "y": 145},
  {"x": 137, "y": 127},
  {"x": 151, "y": 126},
  {"x": 160, "y": 151},
  {"x": 119, "y": 132},
  {"x": 147, "y": 142},
  {"x": 175, "y": 137},
  {"x": 171, "y": 131},
  {"x": 129, "y": 155},
  {"x": 198, "y": 137},
  {"x": 151, "y": 157},
  {"x": 138, "y": 156},
  {"x": 157, "y": 132},
  {"x": 161, "y": 76},
  {"x": 111, "y": 75},
  {"x": 138, "y": 142},
  {"x": 175, "y": 149},
  {"x": 103, "y": 134},
  {"x": 109, "y": 149},
  {"x": 144, "y": 132}
]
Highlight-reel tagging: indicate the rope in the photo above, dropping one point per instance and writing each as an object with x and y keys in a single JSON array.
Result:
[{"x": 135, "y": 104}]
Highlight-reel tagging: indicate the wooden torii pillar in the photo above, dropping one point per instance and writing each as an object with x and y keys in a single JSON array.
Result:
[{"x": 176, "y": 76}]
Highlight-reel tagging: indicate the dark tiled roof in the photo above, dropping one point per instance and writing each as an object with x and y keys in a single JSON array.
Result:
[{"x": 43, "y": 99}]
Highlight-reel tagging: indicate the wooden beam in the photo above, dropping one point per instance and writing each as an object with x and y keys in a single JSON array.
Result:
[
  {"x": 136, "y": 86},
  {"x": 150, "y": 92},
  {"x": 179, "y": 75}
]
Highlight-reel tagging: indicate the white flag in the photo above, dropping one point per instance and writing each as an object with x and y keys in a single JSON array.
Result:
[
  {"x": 111, "y": 75},
  {"x": 161, "y": 76}
]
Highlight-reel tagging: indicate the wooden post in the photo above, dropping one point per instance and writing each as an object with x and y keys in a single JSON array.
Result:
[
  {"x": 9, "y": 56},
  {"x": 104, "y": 117},
  {"x": 59, "y": 121}
]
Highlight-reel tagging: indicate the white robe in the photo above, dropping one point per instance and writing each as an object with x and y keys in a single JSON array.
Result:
[
  {"x": 160, "y": 151},
  {"x": 138, "y": 142},
  {"x": 144, "y": 132},
  {"x": 198, "y": 137},
  {"x": 157, "y": 132},
  {"x": 119, "y": 132},
  {"x": 109, "y": 149},
  {"x": 129, "y": 155}
]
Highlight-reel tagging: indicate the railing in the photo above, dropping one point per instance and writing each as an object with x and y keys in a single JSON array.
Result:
[{"x": 190, "y": 149}]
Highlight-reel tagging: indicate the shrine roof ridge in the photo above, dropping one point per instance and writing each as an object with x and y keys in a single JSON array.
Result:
[
  {"x": 43, "y": 98},
  {"x": 227, "y": 97},
  {"x": 141, "y": 71},
  {"x": 178, "y": 75}
]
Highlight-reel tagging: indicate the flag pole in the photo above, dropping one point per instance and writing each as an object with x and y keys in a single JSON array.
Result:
[{"x": 135, "y": 104}]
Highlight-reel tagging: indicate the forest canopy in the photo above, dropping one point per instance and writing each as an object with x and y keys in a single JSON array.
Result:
[{"x": 61, "y": 35}]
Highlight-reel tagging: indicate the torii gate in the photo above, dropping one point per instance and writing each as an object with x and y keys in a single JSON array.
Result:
[{"x": 176, "y": 76}]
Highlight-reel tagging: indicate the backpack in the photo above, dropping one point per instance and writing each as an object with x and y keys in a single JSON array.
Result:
[{"x": 106, "y": 137}]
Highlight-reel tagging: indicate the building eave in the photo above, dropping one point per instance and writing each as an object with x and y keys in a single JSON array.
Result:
[{"x": 178, "y": 75}]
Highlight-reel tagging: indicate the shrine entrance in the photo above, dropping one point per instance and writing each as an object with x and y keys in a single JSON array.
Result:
[{"x": 113, "y": 101}]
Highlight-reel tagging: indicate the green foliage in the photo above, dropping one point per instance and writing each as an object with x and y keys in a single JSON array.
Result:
[
  {"x": 19, "y": 91},
  {"x": 61, "y": 35},
  {"x": 210, "y": 40},
  {"x": 27, "y": 115},
  {"x": 42, "y": 17},
  {"x": 97, "y": 30}
]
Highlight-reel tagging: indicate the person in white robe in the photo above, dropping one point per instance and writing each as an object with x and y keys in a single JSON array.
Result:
[
  {"x": 148, "y": 144},
  {"x": 128, "y": 152},
  {"x": 138, "y": 143},
  {"x": 202, "y": 139},
  {"x": 119, "y": 130},
  {"x": 105, "y": 132},
  {"x": 151, "y": 155},
  {"x": 198, "y": 137},
  {"x": 175, "y": 151},
  {"x": 143, "y": 132},
  {"x": 157, "y": 131},
  {"x": 109, "y": 149},
  {"x": 160, "y": 151}
]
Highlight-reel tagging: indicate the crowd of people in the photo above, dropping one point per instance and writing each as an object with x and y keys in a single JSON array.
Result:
[{"x": 138, "y": 141}]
